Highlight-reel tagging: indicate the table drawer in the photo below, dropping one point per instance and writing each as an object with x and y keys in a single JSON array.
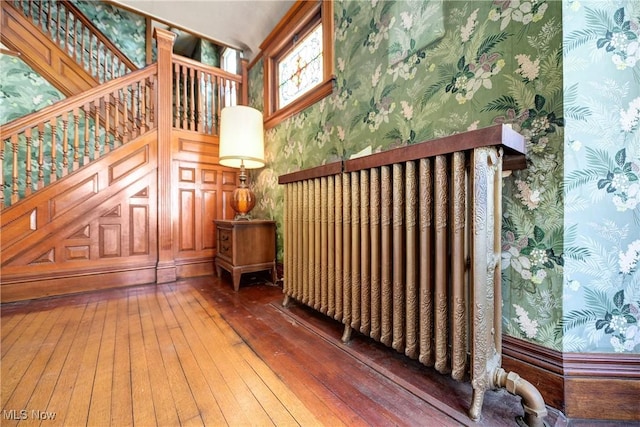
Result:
[{"x": 225, "y": 243}]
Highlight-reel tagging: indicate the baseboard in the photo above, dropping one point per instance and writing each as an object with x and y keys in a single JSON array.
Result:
[
  {"x": 581, "y": 385},
  {"x": 541, "y": 366},
  {"x": 194, "y": 268},
  {"x": 41, "y": 288}
]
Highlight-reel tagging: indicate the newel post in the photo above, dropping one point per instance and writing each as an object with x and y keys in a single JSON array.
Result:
[
  {"x": 244, "y": 94},
  {"x": 166, "y": 267}
]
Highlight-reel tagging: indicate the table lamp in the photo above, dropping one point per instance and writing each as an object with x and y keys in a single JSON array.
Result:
[{"x": 242, "y": 146}]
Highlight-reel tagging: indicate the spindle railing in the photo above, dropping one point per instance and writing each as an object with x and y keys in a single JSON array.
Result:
[
  {"x": 200, "y": 93},
  {"x": 42, "y": 147},
  {"x": 66, "y": 25},
  {"x": 45, "y": 146}
]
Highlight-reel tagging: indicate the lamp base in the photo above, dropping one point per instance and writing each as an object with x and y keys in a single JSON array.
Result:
[{"x": 242, "y": 201}]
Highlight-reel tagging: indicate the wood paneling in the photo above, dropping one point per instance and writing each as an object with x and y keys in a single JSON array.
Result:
[
  {"x": 187, "y": 219},
  {"x": 139, "y": 226},
  {"x": 103, "y": 218},
  {"x": 201, "y": 192},
  {"x": 92, "y": 224},
  {"x": 120, "y": 169},
  {"x": 42, "y": 54},
  {"x": 72, "y": 196},
  {"x": 150, "y": 202}
]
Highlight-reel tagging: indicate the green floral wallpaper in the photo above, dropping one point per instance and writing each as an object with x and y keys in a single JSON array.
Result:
[
  {"x": 497, "y": 62},
  {"x": 22, "y": 90},
  {"x": 601, "y": 301}
]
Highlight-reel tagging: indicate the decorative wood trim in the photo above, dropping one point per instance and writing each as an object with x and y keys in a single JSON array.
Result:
[
  {"x": 501, "y": 135},
  {"x": 317, "y": 172},
  {"x": 166, "y": 271},
  {"x": 195, "y": 268},
  {"x": 626, "y": 366},
  {"x": 109, "y": 278},
  {"x": 305, "y": 101},
  {"x": 292, "y": 21},
  {"x": 148, "y": 40},
  {"x": 244, "y": 100},
  {"x": 569, "y": 381},
  {"x": 9, "y": 52},
  {"x": 540, "y": 366},
  {"x": 301, "y": 14}
]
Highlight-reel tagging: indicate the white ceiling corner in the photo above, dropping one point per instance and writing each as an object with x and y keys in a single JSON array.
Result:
[{"x": 242, "y": 24}]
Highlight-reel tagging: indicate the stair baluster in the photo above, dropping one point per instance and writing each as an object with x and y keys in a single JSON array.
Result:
[
  {"x": 53, "y": 126},
  {"x": 65, "y": 144},
  {"x": 76, "y": 139},
  {"x": 66, "y": 25}
]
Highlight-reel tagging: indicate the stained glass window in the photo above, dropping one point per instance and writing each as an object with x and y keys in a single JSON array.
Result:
[{"x": 301, "y": 69}]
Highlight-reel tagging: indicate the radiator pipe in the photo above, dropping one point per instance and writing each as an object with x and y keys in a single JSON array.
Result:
[{"x": 532, "y": 401}]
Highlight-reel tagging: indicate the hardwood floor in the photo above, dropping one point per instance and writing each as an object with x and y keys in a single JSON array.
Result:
[{"x": 197, "y": 353}]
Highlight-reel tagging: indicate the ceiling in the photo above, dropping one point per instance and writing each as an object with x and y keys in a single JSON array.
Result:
[{"x": 241, "y": 24}]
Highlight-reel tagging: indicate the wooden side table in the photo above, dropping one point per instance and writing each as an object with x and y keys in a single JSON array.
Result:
[{"x": 244, "y": 247}]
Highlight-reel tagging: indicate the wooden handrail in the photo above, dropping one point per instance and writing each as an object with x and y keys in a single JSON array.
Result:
[
  {"x": 67, "y": 26},
  {"x": 21, "y": 123},
  {"x": 47, "y": 145},
  {"x": 99, "y": 34},
  {"x": 191, "y": 63}
]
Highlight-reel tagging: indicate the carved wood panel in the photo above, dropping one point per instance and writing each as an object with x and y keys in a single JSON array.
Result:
[{"x": 100, "y": 220}]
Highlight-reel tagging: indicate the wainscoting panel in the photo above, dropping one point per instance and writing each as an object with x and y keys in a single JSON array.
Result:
[
  {"x": 202, "y": 193},
  {"x": 86, "y": 228}
]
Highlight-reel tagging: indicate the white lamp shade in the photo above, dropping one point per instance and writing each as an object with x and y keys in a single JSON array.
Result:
[{"x": 241, "y": 137}]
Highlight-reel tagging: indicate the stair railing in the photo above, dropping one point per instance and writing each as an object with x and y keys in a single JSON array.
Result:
[
  {"x": 200, "y": 93},
  {"x": 40, "y": 148},
  {"x": 66, "y": 25}
]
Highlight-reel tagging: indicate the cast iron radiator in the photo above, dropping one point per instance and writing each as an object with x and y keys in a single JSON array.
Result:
[{"x": 404, "y": 247}]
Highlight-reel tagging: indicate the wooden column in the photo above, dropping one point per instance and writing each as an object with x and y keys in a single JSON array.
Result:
[
  {"x": 149, "y": 41},
  {"x": 244, "y": 94},
  {"x": 166, "y": 268}
]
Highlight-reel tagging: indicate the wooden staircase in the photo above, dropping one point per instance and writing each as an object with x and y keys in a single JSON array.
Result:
[
  {"x": 119, "y": 184},
  {"x": 61, "y": 44}
]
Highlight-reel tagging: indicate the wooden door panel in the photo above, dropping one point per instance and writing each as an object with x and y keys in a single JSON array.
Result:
[{"x": 201, "y": 195}]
